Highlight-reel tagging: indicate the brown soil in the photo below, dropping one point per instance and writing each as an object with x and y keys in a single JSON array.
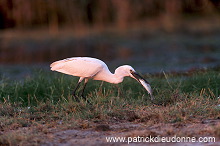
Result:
[{"x": 93, "y": 134}]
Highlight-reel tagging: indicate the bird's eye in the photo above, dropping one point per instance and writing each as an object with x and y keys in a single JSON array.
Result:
[{"x": 131, "y": 71}]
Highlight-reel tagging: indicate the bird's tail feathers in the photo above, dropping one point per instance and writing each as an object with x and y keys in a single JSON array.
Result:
[{"x": 57, "y": 65}]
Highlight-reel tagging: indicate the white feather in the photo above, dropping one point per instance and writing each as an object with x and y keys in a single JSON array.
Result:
[{"x": 87, "y": 67}]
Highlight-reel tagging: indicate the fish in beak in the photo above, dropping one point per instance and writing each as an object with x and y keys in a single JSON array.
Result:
[{"x": 143, "y": 82}]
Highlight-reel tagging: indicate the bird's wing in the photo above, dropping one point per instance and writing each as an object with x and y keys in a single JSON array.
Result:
[{"x": 78, "y": 66}]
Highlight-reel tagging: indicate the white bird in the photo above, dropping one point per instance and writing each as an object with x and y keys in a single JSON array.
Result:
[{"x": 91, "y": 68}]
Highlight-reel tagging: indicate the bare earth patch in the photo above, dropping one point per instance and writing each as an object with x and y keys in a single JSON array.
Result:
[{"x": 96, "y": 133}]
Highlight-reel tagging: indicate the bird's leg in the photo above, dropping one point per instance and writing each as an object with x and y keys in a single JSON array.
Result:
[
  {"x": 77, "y": 86},
  {"x": 74, "y": 92},
  {"x": 84, "y": 86},
  {"x": 119, "y": 90}
]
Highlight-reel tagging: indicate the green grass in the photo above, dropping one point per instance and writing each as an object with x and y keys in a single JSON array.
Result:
[{"x": 45, "y": 99}]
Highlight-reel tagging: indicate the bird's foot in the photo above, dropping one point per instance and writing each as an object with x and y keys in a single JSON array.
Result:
[
  {"x": 85, "y": 99},
  {"x": 76, "y": 98},
  {"x": 152, "y": 97}
]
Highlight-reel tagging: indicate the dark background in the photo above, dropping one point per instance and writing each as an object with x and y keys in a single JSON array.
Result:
[{"x": 151, "y": 35}]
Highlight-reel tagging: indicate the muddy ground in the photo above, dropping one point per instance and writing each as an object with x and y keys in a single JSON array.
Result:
[{"x": 94, "y": 134}]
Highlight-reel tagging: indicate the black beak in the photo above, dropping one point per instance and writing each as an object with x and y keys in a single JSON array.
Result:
[
  {"x": 143, "y": 82},
  {"x": 138, "y": 77}
]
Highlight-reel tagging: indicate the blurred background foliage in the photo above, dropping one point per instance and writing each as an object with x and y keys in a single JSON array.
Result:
[
  {"x": 55, "y": 14},
  {"x": 132, "y": 31}
]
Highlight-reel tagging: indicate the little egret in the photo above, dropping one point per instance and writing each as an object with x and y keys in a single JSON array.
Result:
[{"x": 91, "y": 68}]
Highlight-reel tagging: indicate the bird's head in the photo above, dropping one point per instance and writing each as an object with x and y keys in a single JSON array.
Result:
[{"x": 127, "y": 70}]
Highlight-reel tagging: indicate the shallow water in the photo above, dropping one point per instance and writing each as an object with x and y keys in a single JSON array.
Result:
[{"x": 147, "y": 53}]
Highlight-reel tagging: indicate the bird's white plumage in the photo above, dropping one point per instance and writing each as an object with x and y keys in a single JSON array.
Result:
[
  {"x": 79, "y": 66},
  {"x": 87, "y": 67}
]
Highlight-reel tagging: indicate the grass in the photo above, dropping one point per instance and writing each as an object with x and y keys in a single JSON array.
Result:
[{"x": 44, "y": 100}]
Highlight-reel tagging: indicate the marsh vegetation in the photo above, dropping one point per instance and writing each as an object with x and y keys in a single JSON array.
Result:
[{"x": 42, "y": 105}]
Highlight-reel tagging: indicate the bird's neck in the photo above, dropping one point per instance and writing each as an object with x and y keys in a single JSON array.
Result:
[
  {"x": 107, "y": 76},
  {"x": 118, "y": 76},
  {"x": 115, "y": 79}
]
